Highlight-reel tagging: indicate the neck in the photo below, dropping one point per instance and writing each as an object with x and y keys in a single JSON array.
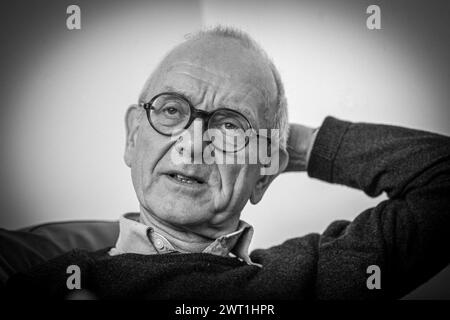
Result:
[{"x": 181, "y": 239}]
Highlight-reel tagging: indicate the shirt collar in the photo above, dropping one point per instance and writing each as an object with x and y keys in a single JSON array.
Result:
[{"x": 136, "y": 237}]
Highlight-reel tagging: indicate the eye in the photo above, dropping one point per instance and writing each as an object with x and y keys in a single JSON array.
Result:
[
  {"x": 171, "y": 110},
  {"x": 230, "y": 126}
]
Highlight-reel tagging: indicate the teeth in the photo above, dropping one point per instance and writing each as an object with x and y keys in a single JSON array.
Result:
[{"x": 185, "y": 179}]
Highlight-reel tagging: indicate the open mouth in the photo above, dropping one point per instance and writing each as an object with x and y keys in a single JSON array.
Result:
[{"x": 185, "y": 179}]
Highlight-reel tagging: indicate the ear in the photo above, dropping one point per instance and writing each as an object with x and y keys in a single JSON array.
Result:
[
  {"x": 265, "y": 180},
  {"x": 132, "y": 121}
]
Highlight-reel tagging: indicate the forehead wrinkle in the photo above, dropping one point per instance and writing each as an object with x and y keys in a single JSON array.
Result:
[
  {"x": 191, "y": 95},
  {"x": 213, "y": 78},
  {"x": 228, "y": 94},
  {"x": 181, "y": 64}
]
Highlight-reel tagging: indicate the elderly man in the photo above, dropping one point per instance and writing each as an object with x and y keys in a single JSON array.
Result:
[{"x": 188, "y": 240}]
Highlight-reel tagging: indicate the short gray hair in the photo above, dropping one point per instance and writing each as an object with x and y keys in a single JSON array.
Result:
[{"x": 280, "y": 119}]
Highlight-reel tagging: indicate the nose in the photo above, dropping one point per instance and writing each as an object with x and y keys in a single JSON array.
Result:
[{"x": 190, "y": 144}]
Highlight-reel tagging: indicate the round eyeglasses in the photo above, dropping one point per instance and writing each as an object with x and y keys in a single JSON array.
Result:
[{"x": 170, "y": 113}]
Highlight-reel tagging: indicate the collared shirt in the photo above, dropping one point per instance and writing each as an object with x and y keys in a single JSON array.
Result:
[{"x": 136, "y": 237}]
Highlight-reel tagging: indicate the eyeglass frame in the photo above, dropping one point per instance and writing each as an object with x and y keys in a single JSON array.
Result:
[{"x": 197, "y": 113}]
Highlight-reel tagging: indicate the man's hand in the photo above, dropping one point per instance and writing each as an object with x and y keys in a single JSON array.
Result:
[{"x": 299, "y": 146}]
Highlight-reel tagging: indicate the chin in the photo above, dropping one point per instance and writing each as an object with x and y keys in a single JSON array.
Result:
[{"x": 181, "y": 213}]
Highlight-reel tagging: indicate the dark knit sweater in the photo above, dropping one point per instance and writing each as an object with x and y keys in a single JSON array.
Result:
[{"x": 406, "y": 236}]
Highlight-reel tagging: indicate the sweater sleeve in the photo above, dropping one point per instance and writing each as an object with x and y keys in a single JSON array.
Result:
[{"x": 405, "y": 236}]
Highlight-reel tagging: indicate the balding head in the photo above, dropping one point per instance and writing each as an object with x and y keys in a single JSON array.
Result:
[{"x": 233, "y": 55}]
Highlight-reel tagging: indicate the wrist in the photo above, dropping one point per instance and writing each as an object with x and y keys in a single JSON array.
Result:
[
  {"x": 311, "y": 144},
  {"x": 300, "y": 143}
]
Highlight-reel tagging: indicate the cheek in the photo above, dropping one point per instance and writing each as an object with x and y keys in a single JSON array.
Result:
[
  {"x": 247, "y": 179},
  {"x": 237, "y": 182},
  {"x": 149, "y": 150},
  {"x": 234, "y": 175}
]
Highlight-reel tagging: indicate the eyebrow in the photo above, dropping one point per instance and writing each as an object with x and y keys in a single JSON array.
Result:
[{"x": 186, "y": 94}]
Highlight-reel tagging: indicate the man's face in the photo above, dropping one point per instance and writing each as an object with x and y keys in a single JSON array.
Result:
[{"x": 206, "y": 199}]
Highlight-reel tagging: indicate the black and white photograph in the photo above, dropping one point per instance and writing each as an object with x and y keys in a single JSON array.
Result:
[{"x": 223, "y": 156}]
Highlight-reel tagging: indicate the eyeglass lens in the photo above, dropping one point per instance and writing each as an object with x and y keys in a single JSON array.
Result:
[{"x": 170, "y": 115}]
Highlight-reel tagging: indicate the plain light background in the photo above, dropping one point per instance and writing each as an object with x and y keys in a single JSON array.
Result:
[{"x": 64, "y": 94}]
